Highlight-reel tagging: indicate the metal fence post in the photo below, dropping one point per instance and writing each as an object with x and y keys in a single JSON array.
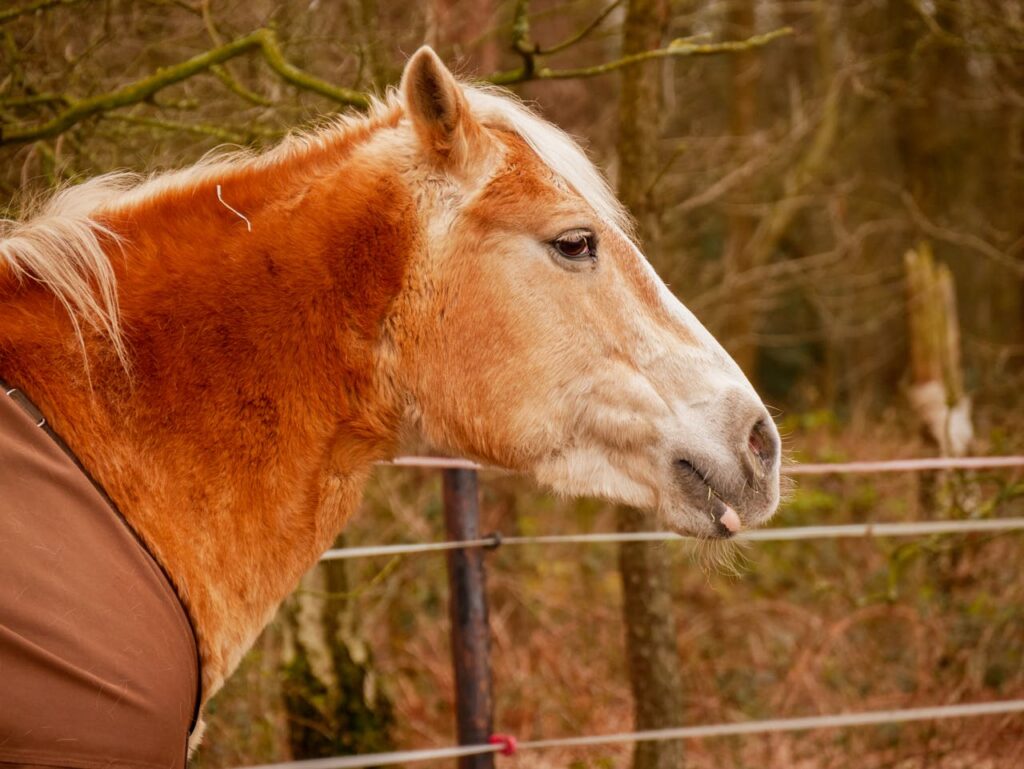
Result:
[{"x": 468, "y": 610}]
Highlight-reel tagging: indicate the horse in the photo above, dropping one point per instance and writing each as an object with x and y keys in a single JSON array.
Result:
[{"x": 228, "y": 349}]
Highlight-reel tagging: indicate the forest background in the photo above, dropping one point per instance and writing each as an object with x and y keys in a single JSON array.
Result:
[{"x": 781, "y": 157}]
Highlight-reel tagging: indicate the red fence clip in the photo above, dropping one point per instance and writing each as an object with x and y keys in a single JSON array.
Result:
[{"x": 507, "y": 742}]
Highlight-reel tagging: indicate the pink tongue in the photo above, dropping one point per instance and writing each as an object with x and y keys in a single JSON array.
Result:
[{"x": 730, "y": 520}]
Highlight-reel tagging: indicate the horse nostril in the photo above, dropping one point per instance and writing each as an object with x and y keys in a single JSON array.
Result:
[{"x": 763, "y": 444}]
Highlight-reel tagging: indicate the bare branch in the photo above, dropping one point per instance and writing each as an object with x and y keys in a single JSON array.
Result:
[
  {"x": 740, "y": 174},
  {"x": 946, "y": 38},
  {"x": 571, "y": 41},
  {"x": 222, "y": 71},
  {"x": 230, "y": 82},
  {"x": 778, "y": 277},
  {"x": 265, "y": 41},
  {"x": 39, "y": 5},
  {"x": 521, "y": 42},
  {"x": 33, "y": 99},
  {"x": 300, "y": 79},
  {"x": 676, "y": 48},
  {"x": 201, "y": 129},
  {"x": 262, "y": 40},
  {"x": 963, "y": 239}
]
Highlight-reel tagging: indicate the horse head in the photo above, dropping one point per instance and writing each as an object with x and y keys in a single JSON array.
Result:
[{"x": 534, "y": 334}]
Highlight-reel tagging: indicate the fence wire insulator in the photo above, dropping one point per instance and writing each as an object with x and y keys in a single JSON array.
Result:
[{"x": 508, "y": 745}]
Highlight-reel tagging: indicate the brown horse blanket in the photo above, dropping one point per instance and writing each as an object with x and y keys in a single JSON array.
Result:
[{"x": 98, "y": 663}]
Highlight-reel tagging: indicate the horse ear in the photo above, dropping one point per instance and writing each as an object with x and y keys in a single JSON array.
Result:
[{"x": 437, "y": 107}]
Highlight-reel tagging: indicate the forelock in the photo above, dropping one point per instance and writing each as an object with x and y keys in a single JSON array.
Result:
[{"x": 554, "y": 147}]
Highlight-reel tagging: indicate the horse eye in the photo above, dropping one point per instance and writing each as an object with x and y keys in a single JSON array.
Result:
[{"x": 577, "y": 245}]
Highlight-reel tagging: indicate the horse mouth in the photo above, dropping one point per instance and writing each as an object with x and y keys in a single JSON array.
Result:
[{"x": 724, "y": 521}]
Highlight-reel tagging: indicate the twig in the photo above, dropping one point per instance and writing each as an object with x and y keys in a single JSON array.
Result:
[
  {"x": 221, "y": 71},
  {"x": 738, "y": 175},
  {"x": 951, "y": 40},
  {"x": 571, "y": 41},
  {"x": 236, "y": 87},
  {"x": 31, "y": 99},
  {"x": 183, "y": 4},
  {"x": 201, "y": 129},
  {"x": 963, "y": 239}
]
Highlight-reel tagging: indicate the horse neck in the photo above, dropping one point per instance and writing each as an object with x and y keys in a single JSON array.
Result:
[{"x": 257, "y": 399}]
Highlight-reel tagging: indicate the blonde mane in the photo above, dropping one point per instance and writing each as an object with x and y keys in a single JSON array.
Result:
[{"x": 65, "y": 247}]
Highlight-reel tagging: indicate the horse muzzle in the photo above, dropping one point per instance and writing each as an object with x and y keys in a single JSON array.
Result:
[{"x": 724, "y": 468}]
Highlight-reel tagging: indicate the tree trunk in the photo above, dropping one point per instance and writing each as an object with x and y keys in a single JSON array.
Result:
[
  {"x": 740, "y": 327},
  {"x": 333, "y": 701},
  {"x": 651, "y": 647},
  {"x": 639, "y": 107}
]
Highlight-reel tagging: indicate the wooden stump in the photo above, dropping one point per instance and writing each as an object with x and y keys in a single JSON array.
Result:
[{"x": 937, "y": 391}]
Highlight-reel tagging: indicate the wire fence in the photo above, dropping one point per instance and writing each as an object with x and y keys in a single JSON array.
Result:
[
  {"x": 912, "y": 529},
  {"x": 508, "y": 745},
  {"x": 784, "y": 534},
  {"x": 823, "y": 468}
]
